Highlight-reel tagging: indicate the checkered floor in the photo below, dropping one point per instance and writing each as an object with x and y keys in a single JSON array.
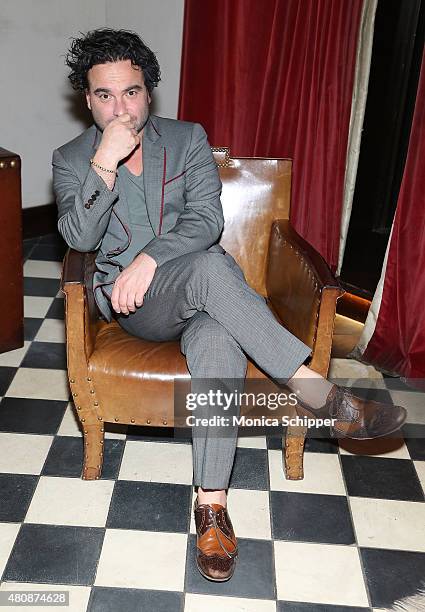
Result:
[{"x": 349, "y": 537}]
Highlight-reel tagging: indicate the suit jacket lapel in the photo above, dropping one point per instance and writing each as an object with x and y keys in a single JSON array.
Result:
[
  {"x": 153, "y": 156},
  {"x": 153, "y": 172},
  {"x": 121, "y": 205}
]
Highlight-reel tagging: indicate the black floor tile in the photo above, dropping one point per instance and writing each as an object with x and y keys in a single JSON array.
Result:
[
  {"x": 381, "y": 478},
  {"x": 416, "y": 448},
  {"x": 150, "y": 506},
  {"x": 392, "y": 575},
  {"x": 274, "y": 437},
  {"x": 414, "y": 436},
  {"x": 154, "y": 434},
  {"x": 31, "y": 241},
  {"x": 250, "y": 469},
  {"x": 53, "y": 238},
  {"x": 109, "y": 599},
  {"x": 31, "y": 327},
  {"x": 49, "y": 252},
  {"x": 297, "y": 606},
  {"x": 45, "y": 355},
  {"x": 55, "y": 554},
  {"x": 321, "y": 445},
  {"x": 16, "y": 491},
  {"x": 43, "y": 287},
  {"x": 65, "y": 458},
  {"x": 254, "y": 573},
  {"x": 308, "y": 517},
  {"x": 7, "y": 374},
  {"x": 56, "y": 310},
  {"x": 27, "y": 249},
  {"x": 32, "y": 416},
  {"x": 395, "y": 383}
]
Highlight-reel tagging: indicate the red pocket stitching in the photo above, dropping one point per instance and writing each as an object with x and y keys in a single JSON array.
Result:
[{"x": 175, "y": 177}]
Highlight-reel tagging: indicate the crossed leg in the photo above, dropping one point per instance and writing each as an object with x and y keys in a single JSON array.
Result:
[{"x": 204, "y": 300}]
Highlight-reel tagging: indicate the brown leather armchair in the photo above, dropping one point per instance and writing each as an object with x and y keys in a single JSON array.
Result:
[{"x": 117, "y": 378}]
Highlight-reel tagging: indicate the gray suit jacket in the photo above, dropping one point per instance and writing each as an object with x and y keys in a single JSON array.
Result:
[{"x": 182, "y": 188}]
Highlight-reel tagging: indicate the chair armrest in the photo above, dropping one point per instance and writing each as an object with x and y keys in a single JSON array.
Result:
[
  {"x": 81, "y": 313},
  {"x": 74, "y": 264},
  {"x": 302, "y": 291}
]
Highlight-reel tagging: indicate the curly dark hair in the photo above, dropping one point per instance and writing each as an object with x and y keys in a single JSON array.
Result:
[{"x": 108, "y": 45}]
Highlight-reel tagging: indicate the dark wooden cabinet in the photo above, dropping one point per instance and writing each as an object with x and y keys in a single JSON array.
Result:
[{"x": 11, "y": 258}]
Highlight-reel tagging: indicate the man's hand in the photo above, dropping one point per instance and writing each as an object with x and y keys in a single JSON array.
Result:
[
  {"x": 133, "y": 282},
  {"x": 119, "y": 138}
]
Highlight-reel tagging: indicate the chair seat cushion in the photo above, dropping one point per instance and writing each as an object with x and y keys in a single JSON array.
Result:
[{"x": 125, "y": 371}]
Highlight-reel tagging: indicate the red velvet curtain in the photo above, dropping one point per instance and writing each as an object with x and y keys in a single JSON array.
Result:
[
  {"x": 398, "y": 342},
  {"x": 274, "y": 79}
]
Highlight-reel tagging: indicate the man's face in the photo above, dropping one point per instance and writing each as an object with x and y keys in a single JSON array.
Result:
[{"x": 116, "y": 88}]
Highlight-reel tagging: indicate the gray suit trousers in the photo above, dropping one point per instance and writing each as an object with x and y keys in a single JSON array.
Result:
[{"x": 203, "y": 299}]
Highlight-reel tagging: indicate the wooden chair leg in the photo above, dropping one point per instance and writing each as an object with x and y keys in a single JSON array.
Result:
[
  {"x": 293, "y": 452},
  {"x": 94, "y": 437}
]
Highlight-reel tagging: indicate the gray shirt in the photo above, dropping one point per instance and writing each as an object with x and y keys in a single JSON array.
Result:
[{"x": 140, "y": 225}]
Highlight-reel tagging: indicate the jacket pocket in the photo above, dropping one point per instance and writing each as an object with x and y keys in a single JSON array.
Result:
[{"x": 176, "y": 182}]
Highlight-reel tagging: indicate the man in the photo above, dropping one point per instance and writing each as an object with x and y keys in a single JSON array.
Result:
[{"x": 145, "y": 192}]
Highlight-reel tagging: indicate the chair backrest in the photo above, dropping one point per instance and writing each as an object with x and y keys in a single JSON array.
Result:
[{"x": 256, "y": 191}]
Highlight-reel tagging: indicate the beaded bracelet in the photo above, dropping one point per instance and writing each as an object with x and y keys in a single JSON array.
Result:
[{"x": 93, "y": 163}]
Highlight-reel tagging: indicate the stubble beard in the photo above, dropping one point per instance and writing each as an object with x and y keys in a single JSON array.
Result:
[
  {"x": 143, "y": 122},
  {"x": 139, "y": 127}
]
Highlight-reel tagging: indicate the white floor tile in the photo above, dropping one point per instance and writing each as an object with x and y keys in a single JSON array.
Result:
[
  {"x": 384, "y": 523},
  {"x": 322, "y": 474},
  {"x": 157, "y": 462},
  {"x": 70, "y": 426},
  {"x": 385, "y": 448},
  {"x": 70, "y": 501},
  {"x": 252, "y": 442},
  {"x": 414, "y": 402},
  {"x": 23, "y": 453},
  {"x": 51, "y": 330},
  {"x": 249, "y": 512},
  {"x": 351, "y": 371},
  {"x": 40, "y": 383},
  {"x": 420, "y": 469},
  {"x": 15, "y": 357},
  {"x": 142, "y": 559},
  {"x": 35, "y": 306},
  {"x": 78, "y": 595},
  {"x": 212, "y": 603},
  {"x": 42, "y": 269},
  {"x": 8, "y": 533},
  {"x": 319, "y": 573}
]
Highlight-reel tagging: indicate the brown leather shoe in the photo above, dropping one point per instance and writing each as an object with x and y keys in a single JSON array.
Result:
[
  {"x": 217, "y": 547},
  {"x": 355, "y": 417}
]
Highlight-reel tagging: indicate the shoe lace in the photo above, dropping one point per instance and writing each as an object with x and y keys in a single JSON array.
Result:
[
  {"x": 342, "y": 397},
  {"x": 217, "y": 529}
]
